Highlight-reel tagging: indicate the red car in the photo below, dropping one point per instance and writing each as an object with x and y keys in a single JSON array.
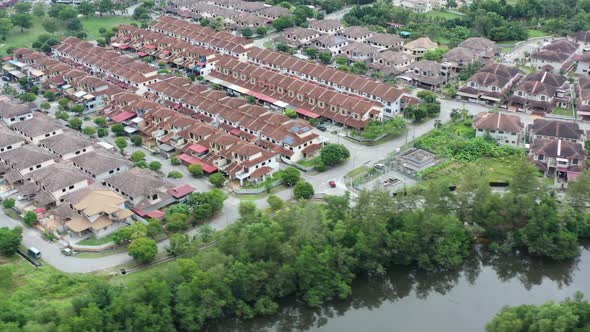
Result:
[{"x": 332, "y": 184}]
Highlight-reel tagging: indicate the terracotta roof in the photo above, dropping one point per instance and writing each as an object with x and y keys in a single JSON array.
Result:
[{"x": 498, "y": 121}]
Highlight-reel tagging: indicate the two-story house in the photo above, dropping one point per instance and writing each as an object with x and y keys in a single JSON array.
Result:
[
  {"x": 418, "y": 47},
  {"x": 297, "y": 37},
  {"x": 583, "y": 67},
  {"x": 490, "y": 85},
  {"x": 391, "y": 62},
  {"x": 12, "y": 112},
  {"x": 9, "y": 140},
  {"x": 38, "y": 128},
  {"x": 362, "y": 52},
  {"x": 583, "y": 97},
  {"x": 101, "y": 164},
  {"x": 355, "y": 33},
  {"x": 67, "y": 145},
  {"x": 555, "y": 56},
  {"x": 20, "y": 162},
  {"x": 426, "y": 74},
  {"x": 540, "y": 93},
  {"x": 96, "y": 211},
  {"x": 330, "y": 43},
  {"x": 553, "y": 129},
  {"x": 558, "y": 158},
  {"x": 506, "y": 129},
  {"x": 326, "y": 26},
  {"x": 56, "y": 181}
]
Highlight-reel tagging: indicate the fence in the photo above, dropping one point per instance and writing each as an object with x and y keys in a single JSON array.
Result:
[
  {"x": 256, "y": 191},
  {"x": 373, "y": 173}
]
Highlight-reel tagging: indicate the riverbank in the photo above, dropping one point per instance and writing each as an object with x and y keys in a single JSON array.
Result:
[{"x": 407, "y": 299}]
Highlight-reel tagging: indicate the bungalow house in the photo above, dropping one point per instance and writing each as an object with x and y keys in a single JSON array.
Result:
[
  {"x": 552, "y": 129},
  {"x": 359, "y": 52},
  {"x": 581, "y": 37},
  {"x": 540, "y": 92},
  {"x": 297, "y": 37},
  {"x": 490, "y": 85},
  {"x": 56, "y": 181},
  {"x": 101, "y": 164},
  {"x": 9, "y": 140},
  {"x": 12, "y": 112},
  {"x": 506, "y": 129},
  {"x": 355, "y": 33},
  {"x": 330, "y": 43},
  {"x": 418, "y": 47},
  {"x": 426, "y": 74},
  {"x": 385, "y": 41},
  {"x": 67, "y": 145},
  {"x": 391, "y": 62},
  {"x": 274, "y": 12},
  {"x": 38, "y": 128},
  {"x": 18, "y": 163},
  {"x": 326, "y": 26},
  {"x": 143, "y": 189},
  {"x": 558, "y": 158},
  {"x": 95, "y": 211},
  {"x": 555, "y": 56},
  {"x": 583, "y": 97}
]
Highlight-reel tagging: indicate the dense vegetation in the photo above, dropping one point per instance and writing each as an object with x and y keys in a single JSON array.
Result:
[
  {"x": 569, "y": 315},
  {"x": 495, "y": 19},
  {"x": 315, "y": 250}
]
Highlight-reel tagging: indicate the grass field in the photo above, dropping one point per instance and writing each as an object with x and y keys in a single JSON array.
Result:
[
  {"x": 95, "y": 242},
  {"x": 563, "y": 111},
  {"x": 536, "y": 33},
  {"x": 16, "y": 38},
  {"x": 443, "y": 14}
]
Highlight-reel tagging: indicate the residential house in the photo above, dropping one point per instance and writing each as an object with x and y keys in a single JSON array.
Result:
[
  {"x": 582, "y": 37},
  {"x": 144, "y": 190},
  {"x": 553, "y": 129},
  {"x": 426, "y": 74},
  {"x": 559, "y": 158},
  {"x": 18, "y": 163},
  {"x": 555, "y": 56},
  {"x": 9, "y": 140},
  {"x": 359, "y": 52},
  {"x": 101, "y": 164},
  {"x": 583, "y": 67},
  {"x": 12, "y": 112},
  {"x": 391, "y": 62},
  {"x": 247, "y": 20},
  {"x": 355, "y": 33},
  {"x": 416, "y": 6},
  {"x": 38, "y": 128},
  {"x": 274, "y": 12},
  {"x": 297, "y": 37},
  {"x": 540, "y": 92},
  {"x": 95, "y": 211},
  {"x": 418, "y": 47},
  {"x": 506, "y": 129},
  {"x": 330, "y": 43},
  {"x": 490, "y": 85},
  {"x": 385, "y": 41},
  {"x": 326, "y": 26},
  {"x": 583, "y": 97},
  {"x": 67, "y": 145},
  {"x": 56, "y": 181}
]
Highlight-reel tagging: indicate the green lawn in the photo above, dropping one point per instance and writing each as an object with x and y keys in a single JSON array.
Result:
[
  {"x": 536, "y": 33},
  {"x": 16, "y": 38},
  {"x": 95, "y": 242},
  {"x": 443, "y": 14},
  {"x": 563, "y": 111},
  {"x": 494, "y": 169},
  {"x": 93, "y": 24}
]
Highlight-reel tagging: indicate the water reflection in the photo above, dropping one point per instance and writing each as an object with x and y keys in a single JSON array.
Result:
[{"x": 482, "y": 274}]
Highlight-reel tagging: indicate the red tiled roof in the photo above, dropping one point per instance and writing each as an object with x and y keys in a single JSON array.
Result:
[
  {"x": 181, "y": 191},
  {"x": 194, "y": 160},
  {"x": 307, "y": 113},
  {"x": 198, "y": 148},
  {"x": 157, "y": 214},
  {"x": 123, "y": 116}
]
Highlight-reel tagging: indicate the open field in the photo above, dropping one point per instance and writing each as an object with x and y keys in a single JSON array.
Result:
[
  {"x": 16, "y": 38},
  {"x": 536, "y": 33},
  {"x": 443, "y": 14}
]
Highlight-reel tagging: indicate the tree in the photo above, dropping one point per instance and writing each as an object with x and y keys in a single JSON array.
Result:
[
  {"x": 39, "y": 9},
  {"x": 325, "y": 57},
  {"x": 290, "y": 176},
  {"x": 578, "y": 192},
  {"x": 332, "y": 154},
  {"x": 45, "y": 106},
  {"x": 8, "y": 203},
  {"x": 275, "y": 203},
  {"x": 10, "y": 240},
  {"x": 303, "y": 190},
  {"x": 105, "y": 6},
  {"x": 427, "y": 96},
  {"x": 175, "y": 161},
  {"x": 312, "y": 53},
  {"x": 141, "y": 13},
  {"x": 49, "y": 95},
  {"x": 282, "y": 23},
  {"x": 100, "y": 121},
  {"x": 68, "y": 13},
  {"x": 87, "y": 8},
  {"x": 282, "y": 47},
  {"x": 155, "y": 165},
  {"x": 154, "y": 227},
  {"x": 118, "y": 129},
  {"x": 62, "y": 115},
  {"x": 359, "y": 68},
  {"x": 30, "y": 218},
  {"x": 75, "y": 123},
  {"x": 55, "y": 9},
  {"x": 121, "y": 143},
  {"x": 290, "y": 113},
  {"x": 78, "y": 109},
  {"x": 102, "y": 132},
  {"x": 217, "y": 180},
  {"x": 137, "y": 156},
  {"x": 5, "y": 26},
  {"x": 22, "y": 7},
  {"x": 261, "y": 31},
  {"x": 247, "y": 32},
  {"x": 50, "y": 24},
  {"x": 434, "y": 54},
  {"x": 24, "y": 21},
  {"x": 175, "y": 175},
  {"x": 74, "y": 24},
  {"x": 90, "y": 131},
  {"x": 196, "y": 170},
  {"x": 143, "y": 250},
  {"x": 137, "y": 140},
  {"x": 178, "y": 244}
]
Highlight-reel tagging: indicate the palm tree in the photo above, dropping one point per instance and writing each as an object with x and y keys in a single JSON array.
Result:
[{"x": 437, "y": 124}]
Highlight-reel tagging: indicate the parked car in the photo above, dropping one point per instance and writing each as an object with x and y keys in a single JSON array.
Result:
[
  {"x": 322, "y": 128},
  {"x": 332, "y": 184},
  {"x": 67, "y": 251},
  {"x": 379, "y": 166},
  {"x": 34, "y": 252}
]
